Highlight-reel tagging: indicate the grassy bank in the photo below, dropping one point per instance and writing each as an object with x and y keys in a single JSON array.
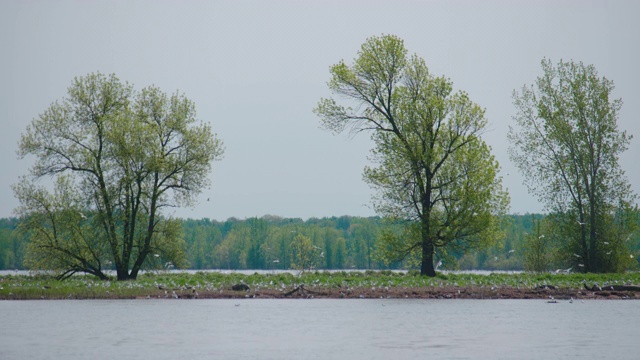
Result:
[{"x": 318, "y": 285}]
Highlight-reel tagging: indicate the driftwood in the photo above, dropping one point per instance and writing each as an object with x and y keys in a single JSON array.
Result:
[
  {"x": 546, "y": 287},
  {"x": 612, "y": 287},
  {"x": 301, "y": 289}
]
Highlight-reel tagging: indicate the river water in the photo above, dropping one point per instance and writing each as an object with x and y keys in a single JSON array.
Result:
[{"x": 318, "y": 329}]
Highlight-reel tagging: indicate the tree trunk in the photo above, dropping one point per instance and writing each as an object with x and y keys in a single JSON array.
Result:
[
  {"x": 426, "y": 267},
  {"x": 122, "y": 272}
]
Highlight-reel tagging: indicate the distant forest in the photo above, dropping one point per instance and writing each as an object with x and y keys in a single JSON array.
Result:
[{"x": 346, "y": 243}]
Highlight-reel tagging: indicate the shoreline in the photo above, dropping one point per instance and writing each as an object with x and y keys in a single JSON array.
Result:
[
  {"x": 324, "y": 285},
  {"x": 301, "y": 292}
]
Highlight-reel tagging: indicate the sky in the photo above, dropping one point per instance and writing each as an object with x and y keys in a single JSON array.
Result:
[{"x": 256, "y": 69}]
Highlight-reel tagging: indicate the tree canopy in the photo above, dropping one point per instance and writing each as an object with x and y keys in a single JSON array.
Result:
[
  {"x": 118, "y": 157},
  {"x": 566, "y": 142},
  {"x": 434, "y": 172}
]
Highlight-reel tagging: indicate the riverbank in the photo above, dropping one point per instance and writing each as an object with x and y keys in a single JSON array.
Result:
[{"x": 364, "y": 285}]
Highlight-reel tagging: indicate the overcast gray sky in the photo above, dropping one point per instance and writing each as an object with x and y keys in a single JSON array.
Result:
[{"x": 256, "y": 69}]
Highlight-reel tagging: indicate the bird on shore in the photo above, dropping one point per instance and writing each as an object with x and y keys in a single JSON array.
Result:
[{"x": 438, "y": 264}]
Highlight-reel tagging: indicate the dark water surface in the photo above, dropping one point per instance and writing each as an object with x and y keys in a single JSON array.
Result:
[{"x": 318, "y": 329}]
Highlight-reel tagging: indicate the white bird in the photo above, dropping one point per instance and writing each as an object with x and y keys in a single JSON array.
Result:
[
  {"x": 438, "y": 264},
  {"x": 541, "y": 236},
  {"x": 581, "y": 223},
  {"x": 576, "y": 255},
  {"x": 511, "y": 251},
  {"x": 83, "y": 216}
]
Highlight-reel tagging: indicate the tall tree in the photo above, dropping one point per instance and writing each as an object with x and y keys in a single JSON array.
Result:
[
  {"x": 434, "y": 172},
  {"x": 119, "y": 157},
  {"x": 566, "y": 142}
]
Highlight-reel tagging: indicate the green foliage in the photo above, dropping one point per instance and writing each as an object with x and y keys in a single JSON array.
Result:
[
  {"x": 304, "y": 255},
  {"x": 566, "y": 142},
  {"x": 434, "y": 173},
  {"x": 265, "y": 243},
  {"x": 119, "y": 158},
  {"x": 353, "y": 242}
]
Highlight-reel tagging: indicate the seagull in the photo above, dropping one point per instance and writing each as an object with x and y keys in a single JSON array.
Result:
[
  {"x": 83, "y": 216},
  {"x": 541, "y": 236},
  {"x": 511, "y": 251},
  {"x": 581, "y": 223}
]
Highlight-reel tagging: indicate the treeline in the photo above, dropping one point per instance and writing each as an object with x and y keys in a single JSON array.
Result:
[{"x": 345, "y": 243}]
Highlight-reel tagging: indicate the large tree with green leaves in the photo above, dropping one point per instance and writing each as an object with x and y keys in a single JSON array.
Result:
[
  {"x": 566, "y": 142},
  {"x": 118, "y": 157},
  {"x": 434, "y": 175}
]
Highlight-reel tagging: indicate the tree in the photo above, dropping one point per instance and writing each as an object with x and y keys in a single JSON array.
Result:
[
  {"x": 304, "y": 255},
  {"x": 434, "y": 172},
  {"x": 119, "y": 158},
  {"x": 566, "y": 143}
]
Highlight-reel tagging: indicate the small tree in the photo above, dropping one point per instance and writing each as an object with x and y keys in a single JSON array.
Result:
[
  {"x": 119, "y": 157},
  {"x": 304, "y": 255},
  {"x": 537, "y": 252}
]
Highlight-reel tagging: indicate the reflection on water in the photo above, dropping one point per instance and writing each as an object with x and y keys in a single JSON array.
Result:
[{"x": 317, "y": 329}]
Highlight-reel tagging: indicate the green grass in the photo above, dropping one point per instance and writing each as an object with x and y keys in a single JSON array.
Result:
[{"x": 155, "y": 284}]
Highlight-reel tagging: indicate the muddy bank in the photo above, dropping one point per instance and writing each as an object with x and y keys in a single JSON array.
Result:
[{"x": 446, "y": 292}]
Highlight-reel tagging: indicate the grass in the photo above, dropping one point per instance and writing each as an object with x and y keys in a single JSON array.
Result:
[{"x": 163, "y": 284}]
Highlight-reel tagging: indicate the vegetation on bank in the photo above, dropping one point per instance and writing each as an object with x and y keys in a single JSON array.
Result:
[
  {"x": 345, "y": 243},
  {"x": 220, "y": 285}
]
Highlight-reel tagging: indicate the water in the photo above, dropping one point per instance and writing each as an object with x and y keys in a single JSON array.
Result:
[{"x": 318, "y": 329}]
